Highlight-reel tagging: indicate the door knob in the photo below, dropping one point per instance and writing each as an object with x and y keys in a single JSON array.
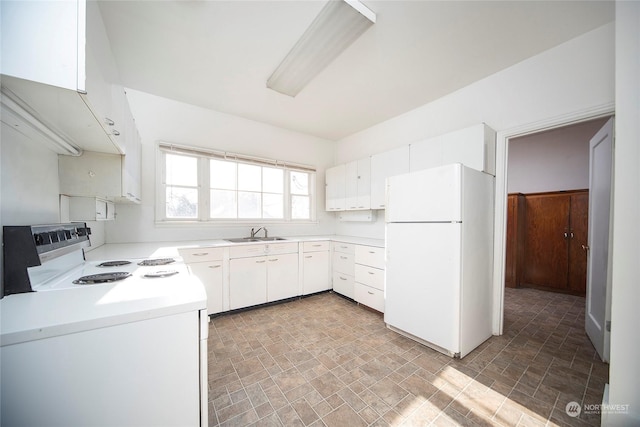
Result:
[{"x": 585, "y": 247}]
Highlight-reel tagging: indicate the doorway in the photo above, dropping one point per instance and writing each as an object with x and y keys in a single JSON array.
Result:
[
  {"x": 548, "y": 204},
  {"x": 502, "y": 164}
]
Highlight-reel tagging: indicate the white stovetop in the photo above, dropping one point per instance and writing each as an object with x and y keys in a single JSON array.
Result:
[{"x": 60, "y": 308}]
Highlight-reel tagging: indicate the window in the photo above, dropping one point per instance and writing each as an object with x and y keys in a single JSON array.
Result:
[{"x": 199, "y": 185}]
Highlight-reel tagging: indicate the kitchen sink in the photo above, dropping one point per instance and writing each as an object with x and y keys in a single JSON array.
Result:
[{"x": 254, "y": 239}]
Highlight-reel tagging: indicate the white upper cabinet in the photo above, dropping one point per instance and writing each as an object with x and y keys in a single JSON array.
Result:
[
  {"x": 384, "y": 165},
  {"x": 335, "y": 188},
  {"x": 56, "y": 60},
  {"x": 358, "y": 184},
  {"x": 474, "y": 147}
]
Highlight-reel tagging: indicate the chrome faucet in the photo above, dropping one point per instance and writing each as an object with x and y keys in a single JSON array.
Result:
[{"x": 254, "y": 232}]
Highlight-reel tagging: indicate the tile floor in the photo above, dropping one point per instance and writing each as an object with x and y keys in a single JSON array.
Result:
[{"x": 324, "y": 361}]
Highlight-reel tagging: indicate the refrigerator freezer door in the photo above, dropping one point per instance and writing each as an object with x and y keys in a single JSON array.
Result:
[
  {"x": 423, "y": 281},
  {"x": 432, "y": 195}
]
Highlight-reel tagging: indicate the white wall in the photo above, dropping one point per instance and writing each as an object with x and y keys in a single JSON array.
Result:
[
  {"x": 553, "y": 160},
  {"x": 573, "y": 76},
  {"x": 161, "y": 119},
  {"x": 624, "y": 371}
]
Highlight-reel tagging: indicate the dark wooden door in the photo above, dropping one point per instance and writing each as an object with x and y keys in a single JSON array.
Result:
[
  {"x": 578, "y": 232},
  {"x": 514, "y": 241},
  {"x": 546, "y": 241}
]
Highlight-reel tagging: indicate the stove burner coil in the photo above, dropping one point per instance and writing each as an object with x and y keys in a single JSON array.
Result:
[
  {"x": 160, "y": 273},
  {"x": 157, "y": 261},
  {"x": 102, "y": 278},
  {"x": 113, "y": 263}
]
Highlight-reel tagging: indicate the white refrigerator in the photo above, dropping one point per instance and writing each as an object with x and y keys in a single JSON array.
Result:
[{"x": 439, "y": 257}]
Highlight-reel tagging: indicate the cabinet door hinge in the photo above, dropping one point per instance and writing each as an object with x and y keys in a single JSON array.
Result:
[{"x": 607, "y": 325}]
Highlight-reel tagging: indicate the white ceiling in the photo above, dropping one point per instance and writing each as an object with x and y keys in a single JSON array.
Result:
[{"x": 219, "y": 54}]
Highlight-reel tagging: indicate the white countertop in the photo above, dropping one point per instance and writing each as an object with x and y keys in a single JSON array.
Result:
[
  {"x": 111, "y": 251},
  {"x": 38, "y": 315}
]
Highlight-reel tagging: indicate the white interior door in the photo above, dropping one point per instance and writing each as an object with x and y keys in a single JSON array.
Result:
[{"x": 598, "y": 283}]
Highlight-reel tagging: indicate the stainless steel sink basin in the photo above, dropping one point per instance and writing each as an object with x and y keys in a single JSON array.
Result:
[{"x": 254, "y": 239}]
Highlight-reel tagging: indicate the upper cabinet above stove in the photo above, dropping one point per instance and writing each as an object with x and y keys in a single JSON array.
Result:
[{"x": 57, "y": 65}]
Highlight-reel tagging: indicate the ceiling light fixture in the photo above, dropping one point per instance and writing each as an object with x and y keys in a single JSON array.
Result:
[{"x": 339, "y": 23}]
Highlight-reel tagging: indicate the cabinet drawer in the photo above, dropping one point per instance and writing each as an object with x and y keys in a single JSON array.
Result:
[
  {"x": 201, "y": 254},
  {"x": 369, "y": 296},
  {"x": 316, "y": 246},
  {"x": 281, "y": 248},
  {"x": 343, "y": 263},
  {"x": 370, "y": 255},
  {"x": 243, "y": 251},
  {"x": 343, "y": 284},
  {"x": 347, "y": 248},
  {"x": 370, "y": 276}
]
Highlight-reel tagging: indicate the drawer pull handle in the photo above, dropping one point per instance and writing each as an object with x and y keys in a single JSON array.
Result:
[
  {"x": 372, "y": 252},
  {"x": 214, "y": 266},
  {"x": 370, "y": 293},
  {"x": 343, "y": 257},
  {"x": 371, "y": 272},
  {"x": 201, "y": 254},
  {"x": 344, "y": 247},
  {"x": 260, "y": 262},
  {"x": 273, "y": 259},
  {"x": 309, "y": 256},
  {"x": 342, "y": 278},
  {"x": 316, "y": 246}
]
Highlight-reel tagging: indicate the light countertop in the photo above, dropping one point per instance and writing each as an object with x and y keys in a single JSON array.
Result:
[{"x": 111, "y": 251}]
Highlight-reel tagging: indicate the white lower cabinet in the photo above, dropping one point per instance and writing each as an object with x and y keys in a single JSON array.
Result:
[
  {"x": 247, "y": 282},
  {"x": 270, "y": 277},
  {"x": 316, "y": 275},
  {"x": 282, "y": 276},
  {"x": 343, "y": 267},
  {"x": 211, "y": 277},
  {"x": 369, "y": 276},
  {"x": 207, "y": 264}
]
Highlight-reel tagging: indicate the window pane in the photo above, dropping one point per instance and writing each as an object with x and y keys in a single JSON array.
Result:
[
  {"x": 273, "y": 180},
  {"x": 249, "y": 205},
  {"x": 272, "y": 206},
  {"x": 182, "y": 170},
  {"x": 300, "y": 207},
  {"x": 223, "y": 175},
  {"x": 223, "y": 204},
  {"x": 299, "y": 183},
  {"x": 182, "y": 202},
  {"x": 249, "y": 177}
]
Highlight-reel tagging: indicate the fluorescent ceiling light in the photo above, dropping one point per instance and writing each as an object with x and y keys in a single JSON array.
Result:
[
  {"x": 17, "y": 114},
  {"x": 338, "y": 25}
]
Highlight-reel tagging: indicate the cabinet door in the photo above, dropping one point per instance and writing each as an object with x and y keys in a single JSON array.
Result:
[
  {"x": 384, "y": 165},
  {"x": 41, "y": 42},
  {"x": 364, "y": 183},
  {"x": 351, "y": 185},
  {"x": 247, "y": 282},
  {"x": 210, "y": 275},
  {"x": 282, "y": 276},
  {"x": 546, "y": 241},
  {"x": 315, "y": 272},
  {"x": 578, "y": 233},
  {"x": 358, "y": 184},
  {"x": 335, "y": 188}
]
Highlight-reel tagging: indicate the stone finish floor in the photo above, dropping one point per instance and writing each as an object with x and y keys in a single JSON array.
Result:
[{"x": 325, "y": 361}]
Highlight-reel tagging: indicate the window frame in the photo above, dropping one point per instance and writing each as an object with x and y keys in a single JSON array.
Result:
[{"x": 204, "y": 190}]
